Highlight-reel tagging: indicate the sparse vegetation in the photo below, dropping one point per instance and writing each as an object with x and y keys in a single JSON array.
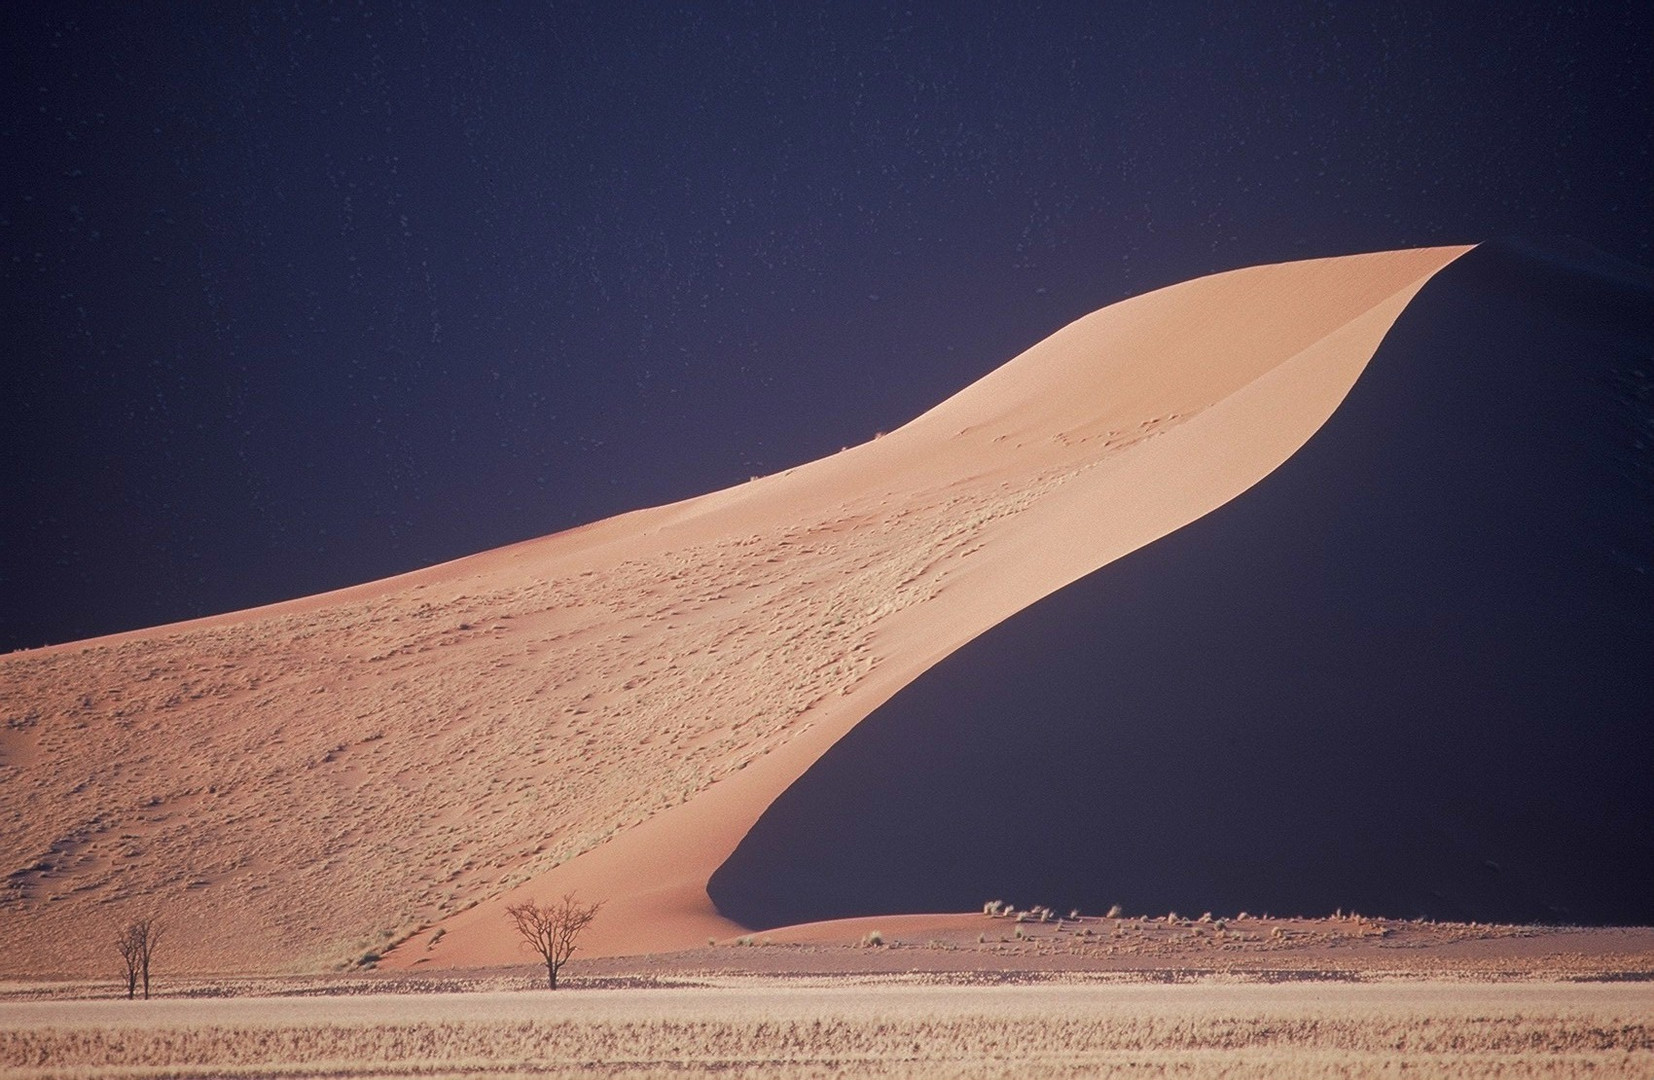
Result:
[
  {"x": 136, "y": 943},
  {"x": 1453, "y": 1032},
  {"x": 552, "y": 930}
]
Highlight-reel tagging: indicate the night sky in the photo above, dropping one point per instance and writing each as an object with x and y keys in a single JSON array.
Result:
[{"x": 309, "y": 294}]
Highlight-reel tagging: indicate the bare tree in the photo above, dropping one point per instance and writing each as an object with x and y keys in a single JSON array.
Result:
[
  {"x": 136, "y": 942},
  {"x": 127, "y": 943},
  {"x": 551, "y": 929}
]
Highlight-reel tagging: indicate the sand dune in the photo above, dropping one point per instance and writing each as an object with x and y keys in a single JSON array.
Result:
[
  {"x": 610, "y": 709},
  {"x": 1408, "y": 672}
]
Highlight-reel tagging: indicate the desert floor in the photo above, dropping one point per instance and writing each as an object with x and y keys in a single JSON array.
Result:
[
  {"x": 868, "y": 1026},
  {"x": 1349, "y": 997}
]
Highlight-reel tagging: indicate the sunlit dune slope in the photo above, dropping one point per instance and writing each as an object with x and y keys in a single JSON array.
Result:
[
  {"x": 1407, "y": 673},
  {"x": 609, "y": 709}
]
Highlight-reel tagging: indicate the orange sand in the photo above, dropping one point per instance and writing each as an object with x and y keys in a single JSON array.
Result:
[{"x": 607, "y": 710}]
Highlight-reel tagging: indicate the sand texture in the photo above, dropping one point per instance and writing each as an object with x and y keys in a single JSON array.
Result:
[
  {"x": 861, "y": 1028},
  {"x": 1406, "y": 673},
  {"x": 609, "y": 709}
]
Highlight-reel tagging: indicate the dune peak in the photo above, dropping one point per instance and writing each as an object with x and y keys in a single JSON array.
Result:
[{"x": 609, "y": 709}]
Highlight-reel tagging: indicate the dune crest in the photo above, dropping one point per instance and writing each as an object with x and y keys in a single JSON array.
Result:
[
  {"x": 1347, "y": 688},
  {"x": 608, "y": 710}
]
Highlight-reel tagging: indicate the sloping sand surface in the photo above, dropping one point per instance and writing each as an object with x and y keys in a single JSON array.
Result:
[
  {"x": 609, "y": 709},
  {"x": 1407, "y": 673}
]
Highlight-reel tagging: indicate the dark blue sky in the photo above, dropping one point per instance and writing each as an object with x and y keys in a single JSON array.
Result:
[{"x": 313, "y": 293}]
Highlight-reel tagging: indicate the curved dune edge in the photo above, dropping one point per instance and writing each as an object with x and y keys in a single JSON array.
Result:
[
  {"x": 609, "y": 709},
  {"x": 1343, "y": 689},
  {"x": 1191, "y": 422}
]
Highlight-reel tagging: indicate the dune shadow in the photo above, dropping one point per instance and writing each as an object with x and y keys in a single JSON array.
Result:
[{"x": 1408, "y": 673}]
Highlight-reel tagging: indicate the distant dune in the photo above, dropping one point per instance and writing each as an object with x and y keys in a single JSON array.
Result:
[{"x": 610, "y": 709}]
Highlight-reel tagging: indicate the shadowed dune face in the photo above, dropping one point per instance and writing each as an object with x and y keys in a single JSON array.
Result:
[
  {"x": 609, "y": 709},
  {"x": 1407, "y": 673}
]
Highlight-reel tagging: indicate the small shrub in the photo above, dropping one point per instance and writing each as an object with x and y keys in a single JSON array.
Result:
[{"x": 873, "y": 940}]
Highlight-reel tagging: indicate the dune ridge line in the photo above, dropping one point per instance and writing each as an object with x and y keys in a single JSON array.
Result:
[{"x": 608, "y": 709}]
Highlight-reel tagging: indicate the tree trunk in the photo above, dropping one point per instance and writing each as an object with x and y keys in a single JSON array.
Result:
[{"x": 551, "y": 976}]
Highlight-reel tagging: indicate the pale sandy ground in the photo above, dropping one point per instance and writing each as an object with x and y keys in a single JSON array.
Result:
[
  {"x": 1173, "y": 946},
  {"x": 867, "y": 1027},
  {"x": 972, "y": 948},
  {"x": 944, "y": 996},
  {"x": 610, "y": 708}
]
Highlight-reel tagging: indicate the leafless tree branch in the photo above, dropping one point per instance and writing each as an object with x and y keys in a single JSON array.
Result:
[
  {"x": 552, "y": 929},
  {"x": 136, "y": 943}
]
